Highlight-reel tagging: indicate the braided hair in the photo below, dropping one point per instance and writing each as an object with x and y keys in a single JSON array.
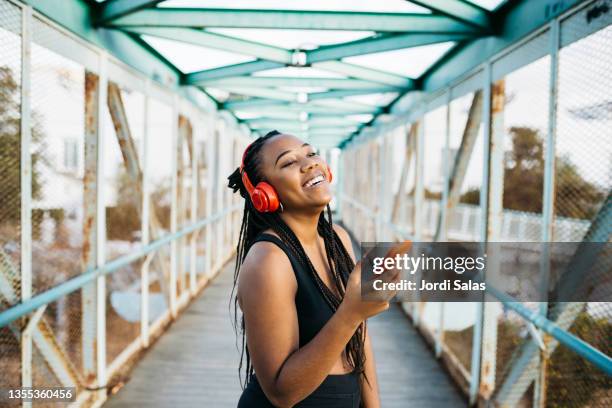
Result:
[{"x": 338, "y": 259}]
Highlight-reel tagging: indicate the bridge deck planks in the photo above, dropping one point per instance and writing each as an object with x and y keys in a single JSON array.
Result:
[{"x": 195, "y": 363}]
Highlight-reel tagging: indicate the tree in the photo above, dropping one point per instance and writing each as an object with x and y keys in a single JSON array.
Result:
[
  {"x": 10, "y": 149},
  {"x": 575, "y": 197}
]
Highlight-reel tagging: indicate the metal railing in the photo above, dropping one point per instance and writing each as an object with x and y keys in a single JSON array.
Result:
[{"x": 43, "y": 299}]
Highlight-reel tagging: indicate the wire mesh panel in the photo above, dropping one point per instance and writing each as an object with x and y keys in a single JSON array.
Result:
[
  {"x": 583, "y": 181},
  {"x": 10, "y": 152},
  {"x": 463, "y": 223},
  {"x": 202, "y": 140},
  {"x": 10, "y": 188},
  {"x": 184, "y": 183},
  {"x": 43, "y": 376},
  {"x": 525, "y": 122},
  {"x": 583, "y": 175},
  {"x": 57, "y": 154},
  {"x": 463, "y": 220},
  {"x": 159, "y": 178},
  {"x": 57, "y": 164},
  {"x": 435, "y": 125},
  {"x": 123, "y": 146}
]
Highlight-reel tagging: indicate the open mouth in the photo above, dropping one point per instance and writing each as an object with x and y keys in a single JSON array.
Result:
[{"x": 314, "y": 181}]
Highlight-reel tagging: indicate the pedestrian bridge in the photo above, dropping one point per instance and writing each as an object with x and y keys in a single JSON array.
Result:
[{"x": 443, "y": 121}]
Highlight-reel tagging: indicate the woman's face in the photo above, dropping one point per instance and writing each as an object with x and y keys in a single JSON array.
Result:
[{"x": 296, "y": 171}]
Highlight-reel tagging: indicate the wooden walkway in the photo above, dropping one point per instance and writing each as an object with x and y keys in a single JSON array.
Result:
[{"x": 195, "y": 363}]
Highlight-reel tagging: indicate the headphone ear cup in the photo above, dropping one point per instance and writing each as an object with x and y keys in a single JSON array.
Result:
[
  {"x": 329, "y": 174},
  {"x": 259, "y": 200},
  {"x": 267, "y": 196}
]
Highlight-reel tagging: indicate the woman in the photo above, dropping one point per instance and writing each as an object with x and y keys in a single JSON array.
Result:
[{"x": 304, "y": 320}]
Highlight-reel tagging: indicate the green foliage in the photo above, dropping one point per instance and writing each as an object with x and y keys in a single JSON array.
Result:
[
  {"x": 572, "y": 380},
  {"x": 10, "y": 149}
]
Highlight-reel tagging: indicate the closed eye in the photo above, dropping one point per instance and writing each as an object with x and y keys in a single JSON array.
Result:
[{"x": 288, "y": 164}]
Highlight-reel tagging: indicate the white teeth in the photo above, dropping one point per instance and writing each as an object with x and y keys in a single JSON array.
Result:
[{"x": 314, "y": 181}]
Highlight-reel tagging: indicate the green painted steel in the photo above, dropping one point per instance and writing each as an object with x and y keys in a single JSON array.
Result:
[
  {"x": 112, "y": 9},
  {"x": 331, "y": 83},
  {"x": 293, "y": 19},
  {"x": 368, "y": 74},
  {"x": 458, "y": 9},
  {"x": 382, "y": 43},
  {"x": 352, "y": 92},
  {"x": 268, "y": 93},
  {"x": 519, "y": 19},
  {"x": 217, "y": 41},
  {"x": 264, "y": 106},
  {"x": 227, "y": 71},
  {"x": 333, "y": 121}
]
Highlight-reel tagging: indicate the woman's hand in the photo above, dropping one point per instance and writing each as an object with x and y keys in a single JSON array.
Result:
[{"x": 355, "y": 308}]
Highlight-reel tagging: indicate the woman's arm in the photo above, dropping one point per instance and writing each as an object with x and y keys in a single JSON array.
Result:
[
  {"x": 369, "y": 393},
  {"x": 266, "y": 292}
]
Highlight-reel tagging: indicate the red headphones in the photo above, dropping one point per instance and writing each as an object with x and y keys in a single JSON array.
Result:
[{"x": 263, "y": 195}]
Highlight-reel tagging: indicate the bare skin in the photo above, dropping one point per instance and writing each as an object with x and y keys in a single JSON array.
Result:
[{"x": 267, "y": 288}]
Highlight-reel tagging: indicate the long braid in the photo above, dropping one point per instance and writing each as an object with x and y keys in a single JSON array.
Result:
[{"x": 340, "y": 262}]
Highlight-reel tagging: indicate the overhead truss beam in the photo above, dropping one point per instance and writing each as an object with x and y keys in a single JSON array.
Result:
[
  {"x": 219, "y": 42},
  {"x": 380, "y": 44},
  {"x": 298, "y": 19},
  {"x": 310, "y": 108},
  {"x": 113, "y": 9},
  {"x": 331, "y": 83},
  {"x": 244, "y": 68},
  {"x": 460, "y": 10}
]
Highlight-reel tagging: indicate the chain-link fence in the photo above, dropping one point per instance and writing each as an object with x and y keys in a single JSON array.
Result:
[
  {"x": 526, "y": 111},
  {"x": 10, "y": 187},
  {"x": 583, "y": 182},
  {"x": 83, "y": 119}
]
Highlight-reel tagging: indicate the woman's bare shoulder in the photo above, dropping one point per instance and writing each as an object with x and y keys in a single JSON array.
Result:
[{"x": 264, "y": 271}]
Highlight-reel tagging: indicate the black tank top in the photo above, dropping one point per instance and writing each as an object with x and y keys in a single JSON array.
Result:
[
  {"x": 336, "y": 391},
  {"x": 312, "y": 310}
]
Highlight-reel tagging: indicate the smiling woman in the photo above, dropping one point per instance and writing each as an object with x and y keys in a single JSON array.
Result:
[{"x": 303, "y": 318}]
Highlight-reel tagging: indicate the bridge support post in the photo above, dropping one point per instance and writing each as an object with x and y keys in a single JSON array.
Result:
[
  {"x": 419, "y": 201},
  {"x": 539, "y": 394},
  {"x": 491, "y": 308},
  {"x": 25, "y": 274},
  {"x": 484, "y": 199},
  {"x": 145, "y": 226}
]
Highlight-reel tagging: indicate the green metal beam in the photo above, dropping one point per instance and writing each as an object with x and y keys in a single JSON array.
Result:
[
  {"x": 460, "y": 10},
  {"x": 217, "y": 41},
  {"x": 339, "y": 132},
  {"x": 368, "y": 74},
  {"x": 351, "y": 70},
  {"x": 331, "y": 83},
  {"x": 292, "y": 19},
  {"x": 112, "y": 9},
  {"x": 262, "y": 93},
  {"x": 340, "y": 103},
  {"x": 315, "y": 122},
  {"x": 244, "y": 68},
  {"x": 381, "y": 43},
  {"x": 517, "y": 18},
  {"x": 276, "y": 107},
  {"x": 350, "y": 92},
  {"x": 263, "y": 105},
  {"x": 75, "y": 16}
]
